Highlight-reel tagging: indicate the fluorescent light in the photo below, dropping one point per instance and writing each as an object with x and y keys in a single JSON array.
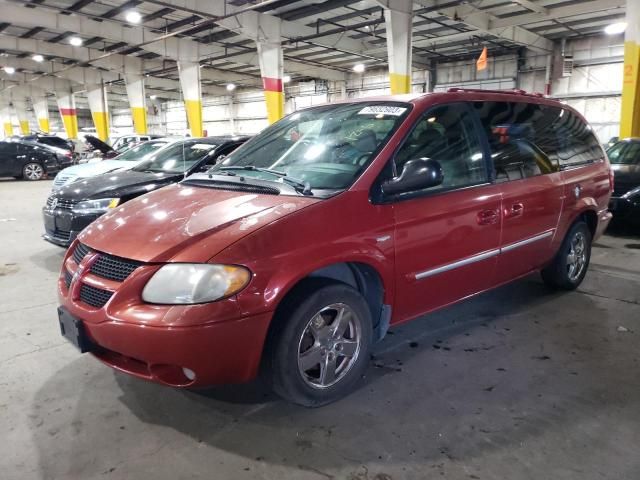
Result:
[
  {"x": 615, "y": 28},
  {"x": 75, "y": 41},
  {"x": 231, "y": 87},
  {"x": 10, "y": 70},
  {"x": 37, "y": 58},
  {"x": 286, "y": 79},
  {"x": 359, "y": 68},
  {"x": 133, "y": 17}
]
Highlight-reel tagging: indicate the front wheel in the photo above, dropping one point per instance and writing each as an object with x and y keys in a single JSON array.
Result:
[
  {"x": 570, "y": 265},
  {"x": 33, "y": 171},
  {"x": 322, "y": 346}
]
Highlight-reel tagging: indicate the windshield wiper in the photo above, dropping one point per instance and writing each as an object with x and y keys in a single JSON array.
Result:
[{"x": 298, "y": 185}]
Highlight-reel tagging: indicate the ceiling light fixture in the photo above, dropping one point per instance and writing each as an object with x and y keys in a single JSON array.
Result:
[
  {"x": 9, "y": 70},
  {"x": 615, "y": 28},
  {"x": 75, "y": 41},
  {"x": 231, "y": 87},
  {"x": 286, "y": 79},
  {"x": 359, "y": 68},
  {"x": 153, "y": 97},
  {"x": 37, "y": 58},
  {"x": 133, "y": 17}
]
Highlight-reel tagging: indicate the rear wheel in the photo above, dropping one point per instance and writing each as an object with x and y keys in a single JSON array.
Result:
[
  {"x": 33, "y": 171},
  {"x": 322, "y": 344},
  {"x": 572, "y": 260}
]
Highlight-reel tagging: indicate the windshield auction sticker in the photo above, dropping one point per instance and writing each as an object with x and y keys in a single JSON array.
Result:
[{"x": 382, "y": 109}]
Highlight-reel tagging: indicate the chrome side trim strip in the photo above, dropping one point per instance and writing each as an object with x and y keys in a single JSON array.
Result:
[
  {"x": 460, "y": 263},
  {"x": 527, "y": 241},
  {"x": 484, "y": 255}
]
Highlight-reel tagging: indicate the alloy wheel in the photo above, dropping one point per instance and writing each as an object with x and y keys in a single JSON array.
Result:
[
  {"x": 33, "y": 171},
  {"x": 577, "y": 257},
  {"x": 329, "y": 345}
]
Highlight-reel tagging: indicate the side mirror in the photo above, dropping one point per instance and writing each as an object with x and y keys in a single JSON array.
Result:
[{"x": 417, "y": 174}]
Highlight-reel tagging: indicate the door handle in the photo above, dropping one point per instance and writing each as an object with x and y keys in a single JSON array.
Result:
[
  {"x": 516, "y": 210},
  {"x": 488, "y": 217}
]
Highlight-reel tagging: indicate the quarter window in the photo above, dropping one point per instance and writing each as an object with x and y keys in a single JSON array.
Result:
[
  {"x": 446, "y": 134},
  {"x": 522, "y": 137}
]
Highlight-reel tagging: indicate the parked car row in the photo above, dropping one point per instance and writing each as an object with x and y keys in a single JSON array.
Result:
[
  {"x": 296, "y": 252},
  {"x": 82, "y": 193}
]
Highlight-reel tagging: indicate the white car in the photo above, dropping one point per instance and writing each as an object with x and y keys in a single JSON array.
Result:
[{"x": 124, "y": 161}]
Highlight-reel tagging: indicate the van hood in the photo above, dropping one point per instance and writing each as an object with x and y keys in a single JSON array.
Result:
[{"x": 185, "y": 223}]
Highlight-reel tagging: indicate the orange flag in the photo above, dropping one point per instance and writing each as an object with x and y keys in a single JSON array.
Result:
[{"x": 481, "y": 64}]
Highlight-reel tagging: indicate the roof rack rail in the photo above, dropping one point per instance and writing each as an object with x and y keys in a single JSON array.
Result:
[{"x": 514, "y": 91}]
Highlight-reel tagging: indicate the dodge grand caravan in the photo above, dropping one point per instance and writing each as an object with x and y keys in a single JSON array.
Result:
[{"x": 296, "y": 253}]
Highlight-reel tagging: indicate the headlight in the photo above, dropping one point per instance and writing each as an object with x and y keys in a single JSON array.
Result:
[
  {"x": 185, "y": 283},
  {"x": 99, "y": 205}
]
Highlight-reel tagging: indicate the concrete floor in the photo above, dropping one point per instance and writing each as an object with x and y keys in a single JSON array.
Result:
[{"x": 518, "y": 384}]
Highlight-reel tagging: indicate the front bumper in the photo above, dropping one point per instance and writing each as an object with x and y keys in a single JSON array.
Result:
[
  {"x": 62, "y": 226},
  {"x": 157, "y": 342}
]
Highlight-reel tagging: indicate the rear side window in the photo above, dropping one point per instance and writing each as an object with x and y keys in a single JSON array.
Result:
[
  {"x": 522, "y": 137},
  {"x": 579, "y": 145},
  {"x": 625, "y": 153},
  {"x": 447, "y": 133}
]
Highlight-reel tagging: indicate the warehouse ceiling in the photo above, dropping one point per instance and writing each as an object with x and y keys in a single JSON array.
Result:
[{"x": 322, "y": 39}]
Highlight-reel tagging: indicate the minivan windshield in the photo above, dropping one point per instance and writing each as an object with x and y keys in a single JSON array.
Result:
[
  {"x": 140, "y": 152},
  {"x": 176, "y": 158},
  {"x": 324, "y": 147}
]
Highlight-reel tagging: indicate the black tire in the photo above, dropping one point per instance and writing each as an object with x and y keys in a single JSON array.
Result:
[
  {"x": 558, "y": 275},
  {"x": 293, "y": 333},
  {"x": 33, "y": 171}
]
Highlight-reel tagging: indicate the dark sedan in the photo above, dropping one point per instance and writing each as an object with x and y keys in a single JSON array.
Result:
[
  {"x": 31, "y": 161},
  {"x": 76, "y": 205},
  {"x": 625, "y": 163}
]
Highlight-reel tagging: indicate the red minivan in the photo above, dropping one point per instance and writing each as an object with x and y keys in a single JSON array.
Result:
[{"x": 297, "y": 252}]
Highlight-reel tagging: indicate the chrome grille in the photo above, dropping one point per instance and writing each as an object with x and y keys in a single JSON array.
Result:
[
  {"x": 96, "y": 297},
  {"x": 61, "y": 203},
  {"x": 80, "y": 252}
]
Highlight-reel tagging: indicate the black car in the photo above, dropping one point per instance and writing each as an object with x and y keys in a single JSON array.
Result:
[
  {"x": 625, "y": 163},
  {"x": 31, "y": 161},
  {"x": 76, "y": 205},
  {"x": 51, "y": 140}
]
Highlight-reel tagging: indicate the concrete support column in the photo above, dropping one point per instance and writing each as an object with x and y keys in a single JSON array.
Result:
[
  {"x": 5, "y": 115},
  {"x": 97, "y": 97},
  {"x": 67, "y": 107},
  {"x": 271, "y": 65},
  {"x": 41, "y": 109},
  {"x": 137, "y": 102},
  {"x": 20, "y": 106},
  {"x": 398, "y": 16},
  {"x": 630, "y": 118},
  {"x": 191, "y": 91}
]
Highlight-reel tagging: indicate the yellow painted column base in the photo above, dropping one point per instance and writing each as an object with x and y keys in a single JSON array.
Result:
[
  {"x": 24, "y": 127},
  {"x": 70, "y": 125},
  {"x": 139, "y": 116},
  {"x": 630, "y": 117},
  {"x": 194, "y": 117},
  {"x": 275, "y": 105},
  {"x": 400, "y": 84},
  {"x": 8, "y": 129},
  {"x": 101, "y": 122},
  {"x": 43, "y": 123}
]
